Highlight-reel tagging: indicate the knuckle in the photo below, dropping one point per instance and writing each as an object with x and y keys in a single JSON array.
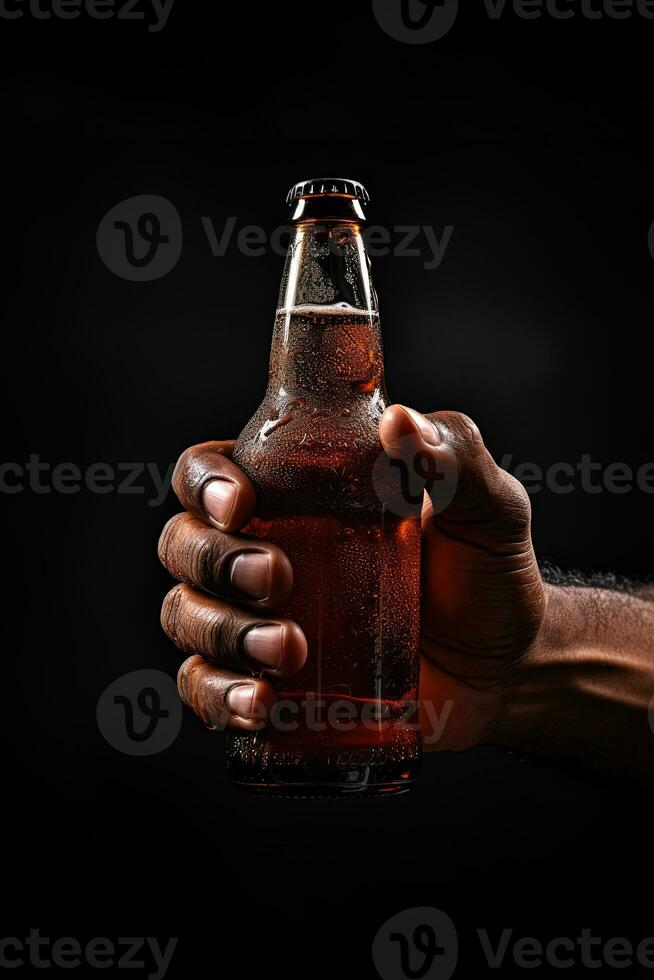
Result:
[
  {"x": 205, "y": 559},
  {"x": 194, "y": 468},
  {"x": 180, "y": 473},
  {"x": 201, "y": 626},
  {"x": 462, "y": 430},
  {"x": 190, "y": 472},
  {"x": 188, "y": 677},
  {"x": 222, "y": 633},
  {"x": 193, "y": 552},
  {"x": 468, "y": 431},
  {"x": 514, "y": 501},
  {"x": 167, "y": 539},
  {"x": 170, "y": 613}
]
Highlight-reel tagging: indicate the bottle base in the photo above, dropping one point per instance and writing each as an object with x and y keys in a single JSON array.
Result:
[
  {"x": 293, "y": 791},
  {"x": 364, "y": 781}
]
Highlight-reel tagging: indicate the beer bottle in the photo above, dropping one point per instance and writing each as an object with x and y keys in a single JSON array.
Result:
[{"x": 346, "y": 724}]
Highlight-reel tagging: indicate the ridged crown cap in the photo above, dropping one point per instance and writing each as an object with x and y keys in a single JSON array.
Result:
[{"x": 319, "y": 186}]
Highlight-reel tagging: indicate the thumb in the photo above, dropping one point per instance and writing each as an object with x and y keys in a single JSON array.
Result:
[{"x": 469, "y": 495}]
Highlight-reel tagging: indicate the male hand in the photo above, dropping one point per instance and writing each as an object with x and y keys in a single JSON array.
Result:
[{"x": 483, "y": 599}]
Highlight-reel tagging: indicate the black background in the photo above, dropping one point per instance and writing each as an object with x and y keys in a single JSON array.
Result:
[{"x": 531, "y": 138}]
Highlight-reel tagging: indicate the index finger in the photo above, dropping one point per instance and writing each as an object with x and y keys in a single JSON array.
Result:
[{"x": 212, "y": 488}]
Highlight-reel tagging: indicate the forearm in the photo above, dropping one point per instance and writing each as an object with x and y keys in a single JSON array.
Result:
[{"x": 583, "y": 690}]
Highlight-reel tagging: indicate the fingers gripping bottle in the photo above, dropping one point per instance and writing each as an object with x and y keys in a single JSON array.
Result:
[{"x": 347, "y": 722}]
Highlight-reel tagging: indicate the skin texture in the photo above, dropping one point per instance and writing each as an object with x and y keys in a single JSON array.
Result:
[{"x": 506, "y": 658}]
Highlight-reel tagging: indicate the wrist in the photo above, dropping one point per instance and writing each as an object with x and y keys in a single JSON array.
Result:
[
  {"x": 530, "y": 690},
  {"x": 582, "y": 690}
]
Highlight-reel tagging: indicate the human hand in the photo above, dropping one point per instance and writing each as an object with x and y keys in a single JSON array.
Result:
[{"x": 483, "y": 599}]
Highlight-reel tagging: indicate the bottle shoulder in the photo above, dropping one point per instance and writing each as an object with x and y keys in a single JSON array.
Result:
[
  {"x": 304, "y": 423},
  {"x": 304, "y": 451}
]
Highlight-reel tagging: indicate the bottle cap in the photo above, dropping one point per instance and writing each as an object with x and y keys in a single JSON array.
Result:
[{"x": 325, "y": 186}]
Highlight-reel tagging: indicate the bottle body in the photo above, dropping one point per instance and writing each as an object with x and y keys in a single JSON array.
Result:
[{"x": 347, "y": 722}]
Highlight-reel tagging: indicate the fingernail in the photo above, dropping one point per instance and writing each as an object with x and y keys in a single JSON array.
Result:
[
  {"x": 264, "y": 644},
  {"x": 203, "y": 715},
  {"x": 240, "y": 699},
  {"x": 207, "y": 721},
  {"x": 428, "y": 430},
  {"x": 250, "y": 573},
  {"x": 218, "y": 500}
]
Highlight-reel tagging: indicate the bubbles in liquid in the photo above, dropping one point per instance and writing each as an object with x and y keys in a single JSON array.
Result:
[
  {"x": 356, "y": 569},
  {"x": 317, "y": 309},
  {"x": 319, "y": 348}
]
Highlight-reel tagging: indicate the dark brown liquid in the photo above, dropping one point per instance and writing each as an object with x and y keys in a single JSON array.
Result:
[{"x": 345, "y": 722}]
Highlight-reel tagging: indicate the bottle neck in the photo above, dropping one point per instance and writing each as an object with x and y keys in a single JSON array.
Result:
[
  {"x": 327, "y": 334},
  {"x": 327, "y": 263}
]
